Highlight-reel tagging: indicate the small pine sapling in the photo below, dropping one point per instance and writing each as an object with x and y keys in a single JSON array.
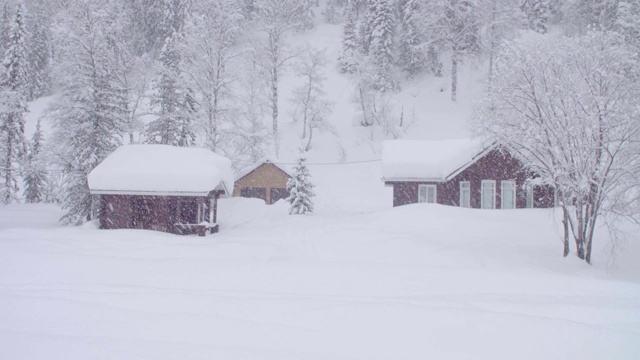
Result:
[{"x": 300, "y": 190}]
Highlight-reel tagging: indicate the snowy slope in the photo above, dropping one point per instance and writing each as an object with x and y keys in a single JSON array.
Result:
[
  {"x": 402, "y": 283},
  {"x": 425, "y": 104},
  {"x": 357, "y": 280}
]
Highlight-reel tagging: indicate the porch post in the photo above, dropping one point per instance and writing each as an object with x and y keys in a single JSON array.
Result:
[
  {"x": 215, "y": 207},
  {"x": 211, "y": 211}
]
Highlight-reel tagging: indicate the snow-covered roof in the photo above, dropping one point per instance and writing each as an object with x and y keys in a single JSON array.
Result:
[
  {"x": 161, "y": 170},
  {"x": 433, "y": 160},
  {"x": 246, "y": 171}
]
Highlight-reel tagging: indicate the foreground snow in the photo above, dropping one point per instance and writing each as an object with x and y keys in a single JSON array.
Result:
[{"x": 415, "y": 282}]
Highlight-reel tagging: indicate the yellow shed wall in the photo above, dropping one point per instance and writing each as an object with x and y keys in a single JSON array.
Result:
[{"x": 266, "y": 176}]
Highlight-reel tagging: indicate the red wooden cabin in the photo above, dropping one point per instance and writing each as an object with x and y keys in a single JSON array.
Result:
[
  {"x": 460, "y": 173},
  {"x": 161, "y": 187}
]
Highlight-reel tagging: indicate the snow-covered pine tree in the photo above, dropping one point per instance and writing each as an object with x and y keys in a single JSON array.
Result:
[
  {"x": 381, "y": 49},
  {"x": 174, "y": 123},
  {"x": 12, "y": 107},
  {"x": 348, "y": 57},
  {"x": 306, "y": 14},
  {"x": 502, "y": 20},
  {"x": 35, "y": 172},
  {"x": 365, "y": 29},
  {"x": 455, "y": 24},
  {"x": 88, "y": 113},
  {"x": 331, "y": 13},
  {"x": 39, "y": 50},
  {"x": 39, "y": 23},
  {"x": 145, "y": 25},
  {"x": 5, "y": 28},
  {"x": 537, "y": 12},
  {"x": 412, "y": 54},
  {"x": 628, "y": 22},
  {"x": 584, "y": 15},
  {"x": 300, "y": 189}
]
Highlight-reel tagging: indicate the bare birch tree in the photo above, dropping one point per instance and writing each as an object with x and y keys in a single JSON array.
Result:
[{"x": 568, "y": 107}]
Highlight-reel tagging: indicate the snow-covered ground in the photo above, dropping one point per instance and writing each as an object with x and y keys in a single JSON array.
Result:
[
  {"x": 357, "y": 280},
  {"x": 414, "y": 282}
]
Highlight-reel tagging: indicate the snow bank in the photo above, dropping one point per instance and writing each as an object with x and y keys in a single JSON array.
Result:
[
  {"x": 161, "y": 170},
  {"x": 429, "y": 160},
  {"x": 412, "y": 282}
]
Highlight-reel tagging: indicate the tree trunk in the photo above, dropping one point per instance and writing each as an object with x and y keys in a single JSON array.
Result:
[
  {"x": 309, "y": 142},
  {"x": 493, "y": 43},
  {"x": 565, "y": 224},
  {"x": 589, "y": 234},
  {"x": 365, "y": 121},
  {"x": 7, "y": 170},
  {"x": 274, "y": 98},
  {"x": 579, "y": 235},
  {"x": 454, "y": 76}
]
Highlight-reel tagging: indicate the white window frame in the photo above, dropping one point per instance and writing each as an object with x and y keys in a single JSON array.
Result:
[
  {"x": 512, "y": 183},
  {"x": 466, "y": 186},
  {"x": 529, "y": 196},
  {"x": 201, "y": 212},
  {"x": 493, "y": 187},
  {"x": 426, "y": 188}
]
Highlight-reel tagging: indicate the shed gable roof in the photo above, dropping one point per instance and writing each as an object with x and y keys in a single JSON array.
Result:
[
  {"x": 161, "y": 170},
  {"x": 248, "y": 170},
  {"x": 434, "y": 160}
]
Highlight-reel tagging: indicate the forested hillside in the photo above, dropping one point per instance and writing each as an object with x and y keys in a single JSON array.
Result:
[{"x": 253, "y": 78}]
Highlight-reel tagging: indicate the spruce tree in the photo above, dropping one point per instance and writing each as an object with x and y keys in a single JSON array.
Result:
[
  {"x": 35, "y": 174},
  {"x": 39, "y": 42},
  {"x": 300, "y": 189},
  {"x": 88, "y": 114},
  {"x": 537, "y": 12},
  {"x": 412, "y": 57},
  {"x": 5, "y": 28},
  {"x": 366, "y": 27},
  {"x": 175, "y": 102},
  {"x": 331, "y": 13},
  {"x": 381, "y": 49},
  {"x": 12, "y": 107},
  {"x": 348, "y": 58}
]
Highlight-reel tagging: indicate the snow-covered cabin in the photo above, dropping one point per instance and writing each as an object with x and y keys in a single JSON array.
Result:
[
  {"x": 161, "y": 187},
  {"x": 460, "y": 172},
  {"x": 264, "y": 180}
]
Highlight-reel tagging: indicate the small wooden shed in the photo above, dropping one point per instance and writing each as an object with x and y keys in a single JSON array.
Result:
[
  {"x": 461, "y": 173},
  {"x": 161, "y": 187},
  {"x": 264, "y": 180}
]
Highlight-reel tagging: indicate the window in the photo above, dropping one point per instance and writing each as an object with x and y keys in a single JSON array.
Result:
[
  {"x": 508, "y": 194},
  {"x": 529, "y": 196},
  {"x": 427, "y": 194},
  {"x": 488, "y": 194},
  {"x": 465, "y": 194}
]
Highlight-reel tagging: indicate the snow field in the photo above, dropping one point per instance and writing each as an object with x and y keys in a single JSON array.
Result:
[{"x": 419, "y": 281}]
